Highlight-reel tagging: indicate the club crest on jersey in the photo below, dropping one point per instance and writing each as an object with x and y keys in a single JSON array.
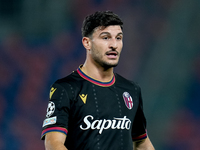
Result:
[{"x": 128, "y": 100}]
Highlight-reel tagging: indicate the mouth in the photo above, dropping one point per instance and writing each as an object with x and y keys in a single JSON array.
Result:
[{"x": 112, "y": 54}]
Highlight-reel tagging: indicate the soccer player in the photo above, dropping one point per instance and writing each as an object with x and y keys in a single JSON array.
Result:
[{"x": 94, "y": 108}]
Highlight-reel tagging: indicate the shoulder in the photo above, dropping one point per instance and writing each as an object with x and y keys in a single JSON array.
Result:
[
  {"x": 71, "y": 82},
  {"x": 123, "y": 81},
  {"x": 71, "y": 79},
  {"x": 70, "y": 85}
]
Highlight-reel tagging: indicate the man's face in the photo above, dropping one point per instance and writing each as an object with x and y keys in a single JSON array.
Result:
[{"x": 106, "y": 46}]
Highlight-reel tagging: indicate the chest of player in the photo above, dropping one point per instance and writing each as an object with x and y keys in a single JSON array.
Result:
[{"x": 105, "y": 103}]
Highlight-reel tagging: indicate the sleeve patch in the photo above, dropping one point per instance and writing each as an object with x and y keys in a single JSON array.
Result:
[{"x": 49, "y": 121}]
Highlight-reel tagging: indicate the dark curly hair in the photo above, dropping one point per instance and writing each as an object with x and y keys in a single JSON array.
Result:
[{"x": 99, "y": 19}]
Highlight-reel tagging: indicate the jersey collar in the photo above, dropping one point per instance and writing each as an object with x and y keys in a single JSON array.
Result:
[{"x": 86, "y": 77}]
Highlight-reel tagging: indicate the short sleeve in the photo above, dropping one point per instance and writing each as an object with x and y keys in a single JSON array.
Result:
[
  {"x": 139, "y": 124},
  {"x": 57, "y": 111}
]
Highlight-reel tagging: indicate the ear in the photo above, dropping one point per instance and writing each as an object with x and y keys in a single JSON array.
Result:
[{"x": 86, "y": 43}]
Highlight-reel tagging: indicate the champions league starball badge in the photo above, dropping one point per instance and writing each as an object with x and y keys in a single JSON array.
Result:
[
  {"x": 50, "y": 109},
  {"x": 128, "y": 100}
]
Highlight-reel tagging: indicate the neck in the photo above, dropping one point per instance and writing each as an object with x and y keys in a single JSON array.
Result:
[{"x": 98, "y": 72}]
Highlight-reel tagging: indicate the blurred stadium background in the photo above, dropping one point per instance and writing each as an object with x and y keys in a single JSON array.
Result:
[{"x": 40, "y": 41}]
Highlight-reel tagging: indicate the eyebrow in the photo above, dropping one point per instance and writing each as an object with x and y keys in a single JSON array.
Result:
[{"x": 121, "y": 33}]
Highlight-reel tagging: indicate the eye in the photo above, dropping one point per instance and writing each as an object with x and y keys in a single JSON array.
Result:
[
  {"x": 105, "y": 37},
  {"x": 119, "y": 38}
]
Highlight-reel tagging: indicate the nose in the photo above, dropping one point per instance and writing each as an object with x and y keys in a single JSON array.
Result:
[{"x": 113, "y": 44}]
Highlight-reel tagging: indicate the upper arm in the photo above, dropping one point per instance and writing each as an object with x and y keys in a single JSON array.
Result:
[
  {"x": 55, "y": 126},
  {"x": 139, "y": 122},
  {"x": 57, "y": 116},
  {"x": 55, "y": 140},
  {"x": 143, "y": 145}
]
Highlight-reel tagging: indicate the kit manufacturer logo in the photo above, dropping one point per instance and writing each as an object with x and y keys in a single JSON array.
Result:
[
  {"x": 52, "y": 91},
  {"x": 83, "y": 97}
]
